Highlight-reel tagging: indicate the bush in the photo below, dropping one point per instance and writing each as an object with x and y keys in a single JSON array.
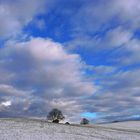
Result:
[
  {"x": 55, "y": 121},
  {"x": 67, "y": 123},
  {"x": 84, "y": 121}
]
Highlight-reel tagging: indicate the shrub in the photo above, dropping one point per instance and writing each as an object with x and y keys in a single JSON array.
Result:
[
  {"x": 67, "y": 123},
  {"x": 84, "y": 121}
]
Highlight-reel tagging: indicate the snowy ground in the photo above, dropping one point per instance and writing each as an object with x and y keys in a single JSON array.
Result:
[{"x": 23, "y": 129}]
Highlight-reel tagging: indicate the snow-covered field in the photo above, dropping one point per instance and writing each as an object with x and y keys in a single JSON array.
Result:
[{"x": 25, "y": 129}]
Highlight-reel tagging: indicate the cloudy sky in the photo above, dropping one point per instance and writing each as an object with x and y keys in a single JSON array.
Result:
[{"x": 80, "y": 56}]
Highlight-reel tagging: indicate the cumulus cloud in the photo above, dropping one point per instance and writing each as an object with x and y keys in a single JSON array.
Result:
[
  {"x": 39, "y": 73},
  {"x": 118, "y": 96},
  {"x": 107, "y": 26},
  {"x": 93, "y": 16},
  {"x": 16, "y": 14},
  {"x": 11, "y": 91},
  {"x": 105, "y": 32}
]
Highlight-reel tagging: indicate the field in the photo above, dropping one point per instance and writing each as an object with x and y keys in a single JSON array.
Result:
[{"x": 27, "y": 129}]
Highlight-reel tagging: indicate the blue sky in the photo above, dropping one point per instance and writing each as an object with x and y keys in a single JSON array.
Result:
[{"x": 81, "y": 56}]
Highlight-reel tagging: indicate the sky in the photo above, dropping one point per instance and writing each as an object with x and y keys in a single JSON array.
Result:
[{"x": 80, "y": 56}]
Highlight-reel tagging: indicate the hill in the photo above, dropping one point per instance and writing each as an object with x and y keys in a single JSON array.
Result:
[{"x": 27, "y": 129}]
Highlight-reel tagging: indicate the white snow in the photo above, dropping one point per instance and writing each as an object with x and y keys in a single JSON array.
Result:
[{"x": 25, "y": 129}]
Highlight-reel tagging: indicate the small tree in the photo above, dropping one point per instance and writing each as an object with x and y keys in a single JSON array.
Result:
[
  {"x": 84, "y": 121},
  {"x": 55, "y": 115}
]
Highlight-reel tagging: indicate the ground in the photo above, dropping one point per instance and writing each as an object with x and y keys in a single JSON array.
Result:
[{"x": 27, "y": 129}]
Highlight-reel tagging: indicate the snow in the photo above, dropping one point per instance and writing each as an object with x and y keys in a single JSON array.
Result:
[
  {"x": 26, "y": 129},
  {"x": 128, "y": 125}
]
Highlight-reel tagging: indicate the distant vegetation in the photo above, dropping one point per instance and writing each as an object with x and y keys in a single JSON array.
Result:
[
  {"x": 56, "y": 115},
  {"x": 67, "y": 123},
  {"x": 84, "y": 121}
]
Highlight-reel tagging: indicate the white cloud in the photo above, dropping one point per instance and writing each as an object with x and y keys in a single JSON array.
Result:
[
  {"x": 117, "y": 37},
  {"x": 8, "y": 90},
  {"x": 6, "y": 103},
  {"x": 128, "y": 11},
  {"x": 42, "y": 71},
  {"x": 39, "y": 74},
  {"x": 15, "y": 14},
  {"x": 118, "y": 98},
  {"x": 97, "y": 16}
]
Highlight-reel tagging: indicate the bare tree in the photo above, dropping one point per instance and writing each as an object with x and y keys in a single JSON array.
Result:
[
  {"x": 84, "y": 121},
  {"x": 55, "y": 115}
]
